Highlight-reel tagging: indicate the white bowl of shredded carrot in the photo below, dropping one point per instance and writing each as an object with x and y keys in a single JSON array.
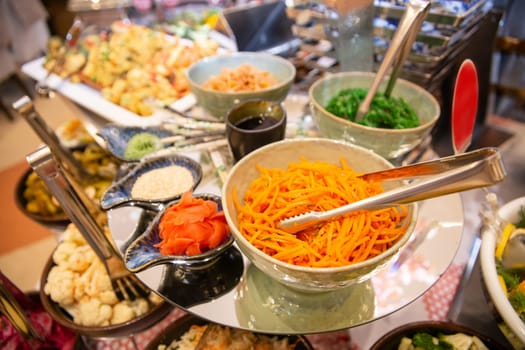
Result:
[
  {"x": 221, "y": 81},
  {"x": 290, "y": 177}
]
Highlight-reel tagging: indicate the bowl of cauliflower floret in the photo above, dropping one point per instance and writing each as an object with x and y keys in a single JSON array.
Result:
[{"x": 76, "y": 291}]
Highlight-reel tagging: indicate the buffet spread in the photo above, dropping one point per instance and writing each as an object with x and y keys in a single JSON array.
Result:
[{"x": 135, "y": 78}]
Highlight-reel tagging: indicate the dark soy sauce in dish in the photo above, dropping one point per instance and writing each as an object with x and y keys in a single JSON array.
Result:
[{"x": 256, "y": 122}]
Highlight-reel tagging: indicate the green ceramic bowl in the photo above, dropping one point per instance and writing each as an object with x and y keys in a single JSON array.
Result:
[
  {"x": 219, "y": 103},
  {"x": 389, "y": 143},
  {"x": 279, "y": 155}
]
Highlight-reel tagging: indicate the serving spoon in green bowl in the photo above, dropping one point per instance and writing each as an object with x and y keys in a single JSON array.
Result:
[{"x": 400, "y": 46}]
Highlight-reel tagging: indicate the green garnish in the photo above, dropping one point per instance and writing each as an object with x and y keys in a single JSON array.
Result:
[
  {"x": 142, "y": 144},
  {"x": 385, "y": 112}
]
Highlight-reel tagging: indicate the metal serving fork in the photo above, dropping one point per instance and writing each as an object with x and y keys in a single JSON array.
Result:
[{"x": 73, "y": 200}]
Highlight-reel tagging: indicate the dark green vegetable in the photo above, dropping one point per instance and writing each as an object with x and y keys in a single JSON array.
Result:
[
  {"x": 426, "y": 341},
  {"x": 385, "y": 112}
]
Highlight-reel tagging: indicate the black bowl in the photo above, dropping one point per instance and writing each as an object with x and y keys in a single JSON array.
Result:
[
  {"x": 175, "y": 330},
  {"x": 59, "y": 219},
  {"x": 390, "y": 341}
]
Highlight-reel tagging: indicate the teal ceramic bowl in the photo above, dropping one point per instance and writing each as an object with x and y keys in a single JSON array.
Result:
[
  {"x": 389, "y": 143},
  {"x": 218, "y": 103}
]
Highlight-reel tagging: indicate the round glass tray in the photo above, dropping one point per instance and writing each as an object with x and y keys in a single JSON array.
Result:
[{"x": 235, "y": 293}]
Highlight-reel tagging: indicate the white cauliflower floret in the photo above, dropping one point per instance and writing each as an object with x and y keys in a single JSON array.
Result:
[
  {"x": 155, "y": 299},
  {"x": 63, "y": 252},
  {"x": 97, "y": 283},
  {"x": 122, "y": 312},
  {"x": 92, "y": 312},
  {"x": 73, "y": 235},
  {"x": 60, "y": 285},
  {"x": 80, "y": 284},
  {"x": 140, "y": 306}
]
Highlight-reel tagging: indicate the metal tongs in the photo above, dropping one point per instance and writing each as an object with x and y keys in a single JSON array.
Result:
[
  {"x": 479, "y": 168},
  {"x": 86, "y": 217},
  {"x": 400, "y": 46},
  {"x": 11, "y": 308},
  {"x": 26, "y": 108}
]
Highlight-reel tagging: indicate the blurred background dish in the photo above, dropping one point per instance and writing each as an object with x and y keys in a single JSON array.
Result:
[
  {"x": 389, "y": 143},
  {"x": 392, "y": 339},
  {"x": 44, "y": 209},
  {"x": 218, "y": 102},
  {"x": 34, "y": 199},
  {"x": 280, "y": 155},
  {"x": 182, "y": 325}
]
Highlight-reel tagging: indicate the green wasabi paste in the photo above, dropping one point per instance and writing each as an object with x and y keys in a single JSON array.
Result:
[
  {"x": 142, "y": 144},
  {"x": 385, "y": 112}
]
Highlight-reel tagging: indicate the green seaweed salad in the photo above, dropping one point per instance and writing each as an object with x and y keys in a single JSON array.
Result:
[{"x": 385, "y": 112}]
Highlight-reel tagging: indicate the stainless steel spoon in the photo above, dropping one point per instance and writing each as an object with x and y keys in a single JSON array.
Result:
[{"x": 400, "y": 45}]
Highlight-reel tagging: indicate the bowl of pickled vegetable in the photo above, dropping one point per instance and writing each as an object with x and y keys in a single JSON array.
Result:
[
  {"x": 503, "y": 280},
  {"x": 393, "y": 126}
]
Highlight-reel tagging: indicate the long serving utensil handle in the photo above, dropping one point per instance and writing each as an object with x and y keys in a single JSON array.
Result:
[
  {"x": 400, "y": 44},
  {"x": 72, "y": 203},
  {"x": 26, "y": 108},
  {"x": 481, "y": 173},
  {"x": 10, "y": 307},
  {"x": 417, "y": 9},
  {"x": 431, "y": 167}
]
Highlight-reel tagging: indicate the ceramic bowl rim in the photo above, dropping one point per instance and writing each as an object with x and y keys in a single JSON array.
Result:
[
  {"x": 335, "y": 118},
  {"x": 488, "y": 269},
  {"x": 317, "y": 270},
  {"x": 242, "y": 54}
]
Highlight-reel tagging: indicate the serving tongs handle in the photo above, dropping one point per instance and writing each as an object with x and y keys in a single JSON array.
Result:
[
  {"x": 81, "y": 211},
  {"x": 26, "y": 108},
  {"x": 11, "y": 308},
  {"x": 398, "y": 50},
  {"x": 483, "y": 168}
]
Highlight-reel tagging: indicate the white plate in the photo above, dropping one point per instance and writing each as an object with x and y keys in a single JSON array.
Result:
[
  {"x": 92, "y": 100},
  {"x": 510, "y": 213}
]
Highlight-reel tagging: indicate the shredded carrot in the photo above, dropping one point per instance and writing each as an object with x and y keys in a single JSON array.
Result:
[
  {"x": 316, "y": 186},
  {"x": 191, "y": 226}
]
